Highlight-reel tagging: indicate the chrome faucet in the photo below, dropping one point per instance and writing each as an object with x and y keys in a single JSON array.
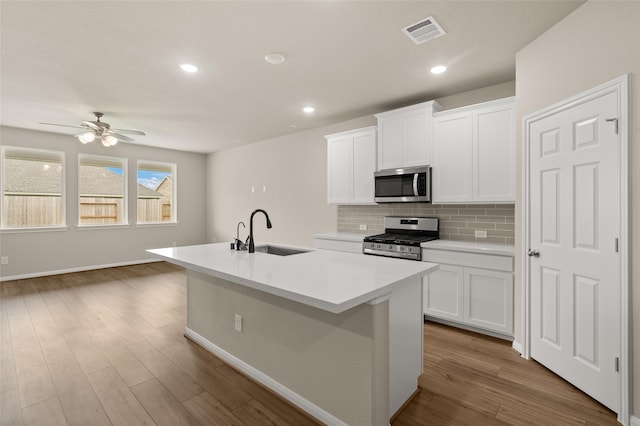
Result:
[
  {"x": 252, "y": 247},
  {"x": 239, "y": 245}
]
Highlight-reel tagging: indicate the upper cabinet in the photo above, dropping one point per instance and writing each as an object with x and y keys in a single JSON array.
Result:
[
  {"x": 351, "y": 161},
  {"x": 474, "y": 154},
  {"x": 405, "y": 136}
]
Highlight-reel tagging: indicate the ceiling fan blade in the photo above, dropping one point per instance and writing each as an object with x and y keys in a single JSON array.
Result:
[
  {"x": 91, "y": 124},
  {"x": 131, "y": 132},
  {"x": 122, "y": 138},
  {"x": 63, "y": 125}
]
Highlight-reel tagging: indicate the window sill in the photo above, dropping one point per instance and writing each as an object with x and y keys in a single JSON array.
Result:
[
  {"x": 155, "y": 224},
  {"x": 33, "y": 229},
  {"x": 94, "y": 227}
]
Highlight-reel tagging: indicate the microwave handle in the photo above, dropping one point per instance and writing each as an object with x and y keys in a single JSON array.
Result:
[{"x": 415, "y": 184}]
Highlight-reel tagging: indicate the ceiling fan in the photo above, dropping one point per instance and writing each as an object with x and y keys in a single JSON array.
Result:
[{"x": 99, "y": 129}]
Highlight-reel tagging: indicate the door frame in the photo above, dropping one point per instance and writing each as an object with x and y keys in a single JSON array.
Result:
[{"x": 620, "y": 86}]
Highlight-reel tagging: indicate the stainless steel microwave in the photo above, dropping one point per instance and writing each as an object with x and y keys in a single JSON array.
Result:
[{"x": 406, "y": 185}]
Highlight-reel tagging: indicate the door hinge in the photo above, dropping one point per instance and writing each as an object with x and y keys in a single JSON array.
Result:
[
  {"x": 615, "y": 121},
  {"x": 616, "y": 245},
  {"x": 617, "y": 364}
]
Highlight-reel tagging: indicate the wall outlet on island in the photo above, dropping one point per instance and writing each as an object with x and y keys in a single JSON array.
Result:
[
  {"x": 363, "y": 227},
  {"x": 238, "y": 323},
  {"x": 4, "y": 260},
  {"x": 481, "y": 234}
]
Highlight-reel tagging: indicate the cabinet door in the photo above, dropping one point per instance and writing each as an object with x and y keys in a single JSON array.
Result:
[
  {"x": 417, "y": 148},
  {"x": 442, "y": 293},
  {"x": 452, "y": 175},
  {"x": 390, "y": 142},
  {"x": 339, "y": 170},
  {"x": 494, "y": 154},
  {"x": 364, "y": 164},
  {"x": 488, "y": 300}
]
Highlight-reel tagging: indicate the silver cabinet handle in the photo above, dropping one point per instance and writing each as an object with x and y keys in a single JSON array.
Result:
[{"x": 533, "y": 253}]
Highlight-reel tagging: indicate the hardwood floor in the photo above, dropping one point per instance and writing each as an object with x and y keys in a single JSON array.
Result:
[{"x": 106, "y": 348}]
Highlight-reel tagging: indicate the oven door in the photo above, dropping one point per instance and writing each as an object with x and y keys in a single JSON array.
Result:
[{"x": 411, "y": 185}]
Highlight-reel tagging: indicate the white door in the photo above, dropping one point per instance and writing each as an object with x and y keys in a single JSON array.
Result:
[{"x": 573, "y": 224}]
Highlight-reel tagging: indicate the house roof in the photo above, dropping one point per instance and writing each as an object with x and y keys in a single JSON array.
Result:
[{"x": 41, "y": 177}]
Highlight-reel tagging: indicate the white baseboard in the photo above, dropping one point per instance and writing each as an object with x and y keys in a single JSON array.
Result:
[
  {"x": 265, "y": 380},
  {"x": 78, "y": 269},
  {"x": 635, "y": 421},
  {"x": 517, "y": 346}
]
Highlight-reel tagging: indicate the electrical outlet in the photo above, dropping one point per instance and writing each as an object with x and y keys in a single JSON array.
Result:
[
  {"x": 238, "y": 323},
  {"x": 173, "y": 243},
  {"x": 4, "y": 260},
  {"x": 253, "y": 189},
  {"x": 481, "y": 234},
  {"x": 363, "y": 227},
  {"x": 264, "y": 188}
]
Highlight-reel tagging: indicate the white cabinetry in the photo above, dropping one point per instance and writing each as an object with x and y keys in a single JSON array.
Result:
[
  {"x": 405, "y": 136},
  {"x": 471, "y": 289},
  {"x": 351, "y": 161},
  {"x": 339, "y": 241},
  {"x": 474, "y": 154}
]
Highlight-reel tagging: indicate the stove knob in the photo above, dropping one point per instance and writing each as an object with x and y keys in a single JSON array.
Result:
[
  {"x": 378, "y": 246},
  {"x": 401, "y": 248},
  {"x": 390, "y": 247}
]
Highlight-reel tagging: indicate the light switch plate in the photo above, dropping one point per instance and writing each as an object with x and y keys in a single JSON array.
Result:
[
  {"x": 363, "y": 227},
  {"x": 481, "y": 234}
]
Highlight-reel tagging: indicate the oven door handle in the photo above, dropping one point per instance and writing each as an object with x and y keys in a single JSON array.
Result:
[{"x": 415, "y": 184}]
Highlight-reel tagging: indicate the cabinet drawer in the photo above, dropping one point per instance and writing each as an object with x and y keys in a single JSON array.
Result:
[
  {"x": 348, "y": 246},
  {"x": 474, "y": 260}
]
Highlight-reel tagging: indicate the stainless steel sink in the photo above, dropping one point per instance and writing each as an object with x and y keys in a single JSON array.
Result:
[{"x": 279, "y": 250}]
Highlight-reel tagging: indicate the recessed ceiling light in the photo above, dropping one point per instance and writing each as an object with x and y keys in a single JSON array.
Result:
[
  {"x": 274, "y": 58},
  {"x": 308, "y": 109},
  {"x": 438, "y": 69},
  {"x": 188, "y": 68}
]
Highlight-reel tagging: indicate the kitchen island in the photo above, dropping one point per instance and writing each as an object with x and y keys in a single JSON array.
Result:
[{"x": 337, "y": 334}]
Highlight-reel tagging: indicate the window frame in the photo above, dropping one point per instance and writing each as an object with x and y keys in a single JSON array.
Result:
[
  {"x": 63, "y": 190},
  {"x": 125, "y": 191},
  {"x": 174, "y": 192}
]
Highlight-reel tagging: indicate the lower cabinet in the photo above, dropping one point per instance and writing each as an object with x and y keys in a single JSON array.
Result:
[
  {"x": 351, "y": 243},
  {"x": 443, "y": 293},
  {"x": 463, "y": 293}
]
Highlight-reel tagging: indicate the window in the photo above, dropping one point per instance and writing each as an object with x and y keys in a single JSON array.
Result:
[
  {"x": 103, "y": 186},
  {"x": 156, "y": 192},
  {"x": 32, "y": 184}
]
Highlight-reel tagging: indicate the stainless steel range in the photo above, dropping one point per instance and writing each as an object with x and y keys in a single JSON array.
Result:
[{"x": 402, "y": 237}]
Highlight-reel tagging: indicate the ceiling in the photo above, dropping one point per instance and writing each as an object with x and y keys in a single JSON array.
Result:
[{"x": 62, "y": 60}]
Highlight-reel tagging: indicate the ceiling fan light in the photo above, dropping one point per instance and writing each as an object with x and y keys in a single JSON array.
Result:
[
  {"x": 109, "y": 140},
  {"x": 87, "y": 137}
]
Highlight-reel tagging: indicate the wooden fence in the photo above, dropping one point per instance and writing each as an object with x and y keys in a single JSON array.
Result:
[{"x": 37, "y": 210}]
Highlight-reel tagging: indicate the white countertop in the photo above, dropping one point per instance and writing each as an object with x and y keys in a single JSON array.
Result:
[
  {"x": 341, "y": 236},
  {"x": 330, "y": 280},
  {"x": 470, "y": 246}
]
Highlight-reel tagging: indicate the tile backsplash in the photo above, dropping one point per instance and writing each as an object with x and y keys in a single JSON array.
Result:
[{"x": 457, "y": 222}]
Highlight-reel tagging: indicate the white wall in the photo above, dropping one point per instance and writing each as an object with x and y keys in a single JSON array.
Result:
[
  {"x": 43, "y": 252},
  {"x": 294, "y": 170},
  {"x": 596, "y": 43}
]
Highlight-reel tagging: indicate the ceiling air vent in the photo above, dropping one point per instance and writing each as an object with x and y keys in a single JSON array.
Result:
[{"x": 424, "y": 30}]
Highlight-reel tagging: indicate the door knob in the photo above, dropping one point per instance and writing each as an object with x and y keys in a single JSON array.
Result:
[{"x": 533, "y": 253}]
